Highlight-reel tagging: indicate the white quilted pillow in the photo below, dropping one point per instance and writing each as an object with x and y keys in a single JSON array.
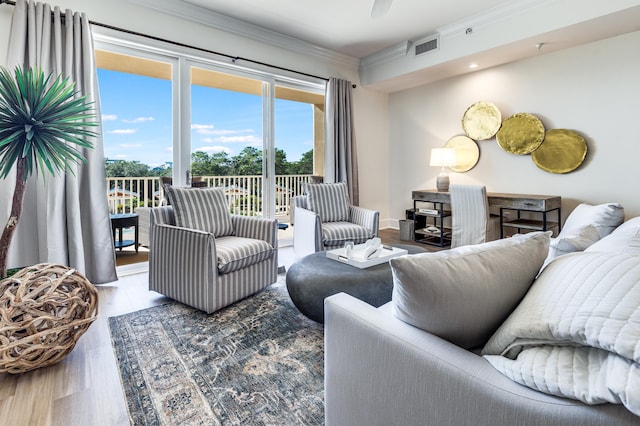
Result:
[{"x": 625, "y": 239}]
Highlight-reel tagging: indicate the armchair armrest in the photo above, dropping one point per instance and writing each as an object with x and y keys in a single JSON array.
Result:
[
  {"x": 307, "y": 233},
  {"x": 257, "y": 228},
  {"x": 365, "y": 217},
  {"x": 143, "y": 225},
  {"x": 182, "y": 265}
]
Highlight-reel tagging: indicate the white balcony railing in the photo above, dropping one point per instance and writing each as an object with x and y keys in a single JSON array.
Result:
[{"x": 244, "y": 193}]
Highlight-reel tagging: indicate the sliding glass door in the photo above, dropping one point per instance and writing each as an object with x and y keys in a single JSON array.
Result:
[{"x": 203, "y": 123}]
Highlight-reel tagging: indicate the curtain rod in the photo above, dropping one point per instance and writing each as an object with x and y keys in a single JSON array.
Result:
[{"x": 201, "y": 49}]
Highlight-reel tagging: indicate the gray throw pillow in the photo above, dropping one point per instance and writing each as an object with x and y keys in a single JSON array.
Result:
[
  {"x": 464, "y": 294},
  {"x": 329, "y": 200},
  {"x": 205, "y": 209}
]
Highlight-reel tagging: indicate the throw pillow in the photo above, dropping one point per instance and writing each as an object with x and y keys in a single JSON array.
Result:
[
  {"x": 205, "y": 209},
  {"x": 605, "y": 217},
  {"x": 464, "y": 294},
  {"x": 565, "y": 244},
  {"x": 329, "y": 200},
  {"x": 625, "y": 239}
]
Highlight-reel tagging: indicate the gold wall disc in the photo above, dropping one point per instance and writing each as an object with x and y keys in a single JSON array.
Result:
[
  {"x": 522, "y": 133},
  {"x": 481, "y": 120},
  {"x": 467, "y": 153},
  {"x": 561, "y": 152}
]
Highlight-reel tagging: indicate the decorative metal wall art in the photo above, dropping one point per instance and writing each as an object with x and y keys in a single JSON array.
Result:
[
  {"x": 562, "y": 151},
  {"x": 467, "y": 153},
  {"x": 481, "y": 121},
  {"x": 554, "y": 151},
  {"x": 522, "y": 133}
]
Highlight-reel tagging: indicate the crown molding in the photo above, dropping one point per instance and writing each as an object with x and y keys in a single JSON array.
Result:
[
  {"x": 194, "y": 13},
  {"x": 386, "y": 55}
]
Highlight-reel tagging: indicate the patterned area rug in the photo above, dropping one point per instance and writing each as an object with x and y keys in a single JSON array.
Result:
[{"x": 257, "y": 362}]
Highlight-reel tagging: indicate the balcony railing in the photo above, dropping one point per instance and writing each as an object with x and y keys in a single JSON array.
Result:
[{"x": 244, "y": 193}]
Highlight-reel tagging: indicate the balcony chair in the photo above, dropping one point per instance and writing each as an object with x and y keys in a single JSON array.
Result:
[
  {"x": 325, "y": 219},
  {"x": 203, "y": 256},
  {"x": 471, "y": 221}
]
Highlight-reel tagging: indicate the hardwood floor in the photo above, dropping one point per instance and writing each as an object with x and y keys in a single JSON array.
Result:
[{"x": 84, "y": 388}]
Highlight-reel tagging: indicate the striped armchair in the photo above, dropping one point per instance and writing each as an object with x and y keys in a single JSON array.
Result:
[
  {"x": 207, "y": 272},
  {"x": 325, "y": 220}
]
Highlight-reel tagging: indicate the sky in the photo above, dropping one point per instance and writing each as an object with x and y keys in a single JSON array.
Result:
[{"x": 136, "y": 117}]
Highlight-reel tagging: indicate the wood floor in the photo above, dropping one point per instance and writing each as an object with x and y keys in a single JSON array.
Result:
[{"x": 84, "y": 388}]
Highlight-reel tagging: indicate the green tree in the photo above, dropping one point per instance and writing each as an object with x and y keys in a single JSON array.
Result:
[
  {"x": 304, "y": 166},
  {"x": 122, "y": 168},
  {"x": 217, "y": 164},
  {"x": 282, "y": 165},
  {"x": 248, "y": 162},
  {"x": 44, "y": 125}
]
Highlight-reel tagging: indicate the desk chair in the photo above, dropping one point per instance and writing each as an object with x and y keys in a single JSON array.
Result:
[{"x": 471, "y": 222}]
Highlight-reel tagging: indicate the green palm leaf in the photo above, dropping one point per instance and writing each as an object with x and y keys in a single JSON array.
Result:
[{"x": 43, "y": 121}]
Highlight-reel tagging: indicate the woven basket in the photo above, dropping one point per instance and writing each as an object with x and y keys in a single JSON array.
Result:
[{"x": 44, "y": 310}]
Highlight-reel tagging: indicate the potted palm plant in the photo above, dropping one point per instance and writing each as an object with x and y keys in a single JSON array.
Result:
[{"x": 43, "y": 124}]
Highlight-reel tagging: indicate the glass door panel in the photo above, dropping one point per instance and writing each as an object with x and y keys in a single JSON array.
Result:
[
  {"x": 227, "y": 137},
  {"x": 299, "y": 141},
  {"x": 136, "y": 103}
]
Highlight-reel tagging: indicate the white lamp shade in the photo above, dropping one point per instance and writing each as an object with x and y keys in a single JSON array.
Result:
[{"x": 444, "y": 157}]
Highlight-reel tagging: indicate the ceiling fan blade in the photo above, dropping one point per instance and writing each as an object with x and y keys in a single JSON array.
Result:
[{"x": 380, "y": 8}]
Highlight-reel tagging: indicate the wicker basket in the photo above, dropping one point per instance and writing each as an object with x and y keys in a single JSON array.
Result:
[{"x": 44, "y": 309}]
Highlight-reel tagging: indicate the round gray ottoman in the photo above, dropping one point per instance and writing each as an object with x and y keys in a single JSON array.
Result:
[{"x": 315, "y": 277}]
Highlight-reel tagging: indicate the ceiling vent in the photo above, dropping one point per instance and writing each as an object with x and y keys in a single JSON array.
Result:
[{"x": 428, "y": 45}]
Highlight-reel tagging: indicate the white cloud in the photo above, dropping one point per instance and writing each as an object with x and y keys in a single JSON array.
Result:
[
  {"x": 139, "y": 120},
  {"x": 195, "y": 126},
  {"x": 109, "y": 117},
  {"x": 122, "y": 131},
  {"x": 209, "y": 129},
  {"x": 131, "y": 145},
  {"x": 250, "y": 139},
  {"x": 121, "y": 156}
]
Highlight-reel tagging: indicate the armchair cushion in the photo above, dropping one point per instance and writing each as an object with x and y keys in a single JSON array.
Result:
[
  {"x": 205, "y": 209},
  {"x": 329, "y": 200},
  {"x": 335, "y": 234},
  {"x": 234, "y": 253}
]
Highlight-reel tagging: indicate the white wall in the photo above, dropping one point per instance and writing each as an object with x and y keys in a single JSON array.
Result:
[
  {"x": 592, "y": 89},
  {"x": 371, "y": 118}
]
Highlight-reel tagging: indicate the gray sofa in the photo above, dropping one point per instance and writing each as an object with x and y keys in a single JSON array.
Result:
[{"x": 380, "y": 370}]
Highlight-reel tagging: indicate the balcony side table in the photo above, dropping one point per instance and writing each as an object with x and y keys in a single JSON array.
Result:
[{"x": 121, "y": 221}]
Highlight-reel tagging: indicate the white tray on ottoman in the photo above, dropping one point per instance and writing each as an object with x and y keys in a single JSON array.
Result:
[{"x": 357, "y": 258}]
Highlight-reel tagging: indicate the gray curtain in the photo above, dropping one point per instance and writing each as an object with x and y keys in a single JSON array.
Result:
[
  {"x": 340, "y": 154},
  {"x": 65, "y": 218}
]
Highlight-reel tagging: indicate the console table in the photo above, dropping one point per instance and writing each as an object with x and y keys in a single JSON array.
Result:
[{"x": 539, "y": 205}]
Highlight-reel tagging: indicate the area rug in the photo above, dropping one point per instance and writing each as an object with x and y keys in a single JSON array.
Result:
[{"x": 257, "y": 362}]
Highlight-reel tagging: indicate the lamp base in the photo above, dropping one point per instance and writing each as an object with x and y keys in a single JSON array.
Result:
[{"x": 442, "y": 182}]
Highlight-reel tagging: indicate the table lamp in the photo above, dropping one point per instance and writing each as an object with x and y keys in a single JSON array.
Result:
[{"x": 443, "y": 157}]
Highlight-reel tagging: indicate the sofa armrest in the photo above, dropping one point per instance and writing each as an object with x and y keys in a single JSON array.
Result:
[
  {"x": 257, "y": 228},
  {"x": 182, "y": 265},
  {"x": 365, "y": 217},
  {"x": 307, "y": 233},
  {"x": 382, "y": 371}
]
